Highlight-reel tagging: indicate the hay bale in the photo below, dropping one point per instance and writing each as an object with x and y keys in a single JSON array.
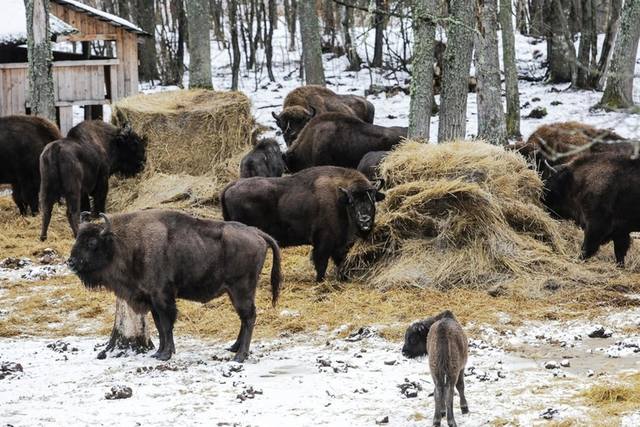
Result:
[
  {"x": 189, "y": 131},
  {"x": 196, "y": 140},
  {"x": 465, "y": 214}
]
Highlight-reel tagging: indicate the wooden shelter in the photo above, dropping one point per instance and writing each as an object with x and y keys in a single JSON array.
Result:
[{"x": 81, "y": 78}]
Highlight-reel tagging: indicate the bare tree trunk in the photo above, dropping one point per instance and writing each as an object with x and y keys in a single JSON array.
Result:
[
  {"x": 424, "y": 30},
  {"x": 561, "y": 53},
  {"x": 537, "y": 14},
  {"x": 378, "y": 24},
  {"x": 607, "y": 45},
  {"x": 130, "y": 332},
  {"x": 41, "y": 95},
  {"x": 510, "y": 70},
  {"x": 235, "y": 47},
  {"x": 491, "y": 124},
  {"x": 124, "y": 9},
  {"x": 311, "y": 45},
  {"x": 355, "y": 61},
  {"x": 199, "y": 44},
  {"x": 618, "y": 92},
  {"x": 217, "y": 14},
  {"x": 522, "y": 16},
  {"x": 273, "y": 18},
  {"x": 146, "y": 19},
  {"x": 328, "y": 18},
  {"x": 455, "y": 75},
  {"x": 291, "y": 13},
  {"x": 586, "y": 55}
]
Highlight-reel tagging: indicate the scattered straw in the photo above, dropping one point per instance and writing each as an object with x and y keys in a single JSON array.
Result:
[{"x": 615, "y": 397}]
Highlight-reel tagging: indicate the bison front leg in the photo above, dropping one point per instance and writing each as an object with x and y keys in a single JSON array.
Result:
[
  {"x": 594, "y": 235},
  {"x": 17, "y": 194},
  {"x": 164, "y": 318},
  {"x": 321, "y": 254},
  {"x": 243, "y": 299},
  {"x": 621, "y": 245}
]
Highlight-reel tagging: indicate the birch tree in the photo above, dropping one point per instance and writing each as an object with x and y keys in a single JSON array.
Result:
[
  {"x": 235, "y": 46},
  {"x": 510, "y": 71},
  {"x": 618, "y": 91},
  {"x": 199, "y": 27},
  {"x": 41, "y": 94},
  {"x": 422, "y": 69},
  {"x": 491, "y": 123},
  {"x": 311, "y": 43},
  {"x": 455, "y": 73}
]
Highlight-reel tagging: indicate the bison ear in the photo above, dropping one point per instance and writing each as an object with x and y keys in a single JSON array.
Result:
[
  {"x": 345, "y": 198},
  {"x": 85, "y": 216}
]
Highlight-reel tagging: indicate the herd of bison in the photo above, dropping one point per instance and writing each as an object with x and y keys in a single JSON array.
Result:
[{"x": 322, "y": 192}]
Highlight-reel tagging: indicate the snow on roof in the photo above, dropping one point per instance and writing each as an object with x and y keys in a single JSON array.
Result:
[
  {"x": 101, "y": 15},
  {"x": 13, "y": 24}
]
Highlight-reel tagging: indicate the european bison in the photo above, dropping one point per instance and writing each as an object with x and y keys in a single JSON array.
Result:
[
  {"x": 265, "y": 159},
  {"x": 370, "y": 163},
  {"x": 22, "y": 139},
  {"x": 444, "y": 340},
  {"x": 150, "y": 258},
  {"x": 327, "y": 207},
  {"x": 566, "y": 137},
  {"x": 80, "y": 165},
  {"x": 303, "y": 103},
  {"x": 340, "y": 140},
  {"x": 601, "y": 193}
]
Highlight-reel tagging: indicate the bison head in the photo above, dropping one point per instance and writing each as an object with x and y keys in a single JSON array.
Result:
[
  {"x": 361, "y": 206},
  {"x": 130, "y": 152},
  {"x": 292, "y": 120},
  {"x": 557, "y": 191},
  {"x": 415, "y": 339},
  {"x": 92, "y": 251}
]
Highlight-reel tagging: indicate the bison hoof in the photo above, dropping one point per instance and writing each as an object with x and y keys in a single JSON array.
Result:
[
  {"x": 240, "y": 357},
  {"x": 234, "y": 348},
  {"x": 465, "y": 409},
  {"x": 43, "y": 238},
  {"x": 165, "y": 355}
]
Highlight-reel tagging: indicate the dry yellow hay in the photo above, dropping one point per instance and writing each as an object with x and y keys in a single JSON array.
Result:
[
  {"x": 468, "y": 214},
  {"x": 614, "y": 397},
  {"x": 196, "y": 140}
]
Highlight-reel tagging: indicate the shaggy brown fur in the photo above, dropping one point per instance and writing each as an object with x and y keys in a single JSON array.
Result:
[
  {"x": 22, "y": 139},
  {"x": 265, "y": 159},
  {"x": 149, "y": 258},
  {"x": 447, "y": 347},
  {"x": 303, "y": 103},
  {"x": 80, "y": 165},
  {"x": 601, "y": 193},
  {"x": 327, "y": 207},
  {"x": 566, "y": 136},
  {"x": 340, "y": 140},
  {"x": 370, "y": 163}
]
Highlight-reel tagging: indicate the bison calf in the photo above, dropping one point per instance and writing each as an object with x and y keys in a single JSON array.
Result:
[
  {"x": 303, "y": 103},
  {"x": 601, "y": 193},
  {"x": 22, "y": 139},
  {"x": 265, "y": 159},
  {"x": 339, "y": 140},
  {"x": 80, "y": 165},
  {"x": 444, "y": 340},
  {"x": 327, "y": 207},
  {"x": 150, "y": 258},
  {"x": 370, "y": 163}
]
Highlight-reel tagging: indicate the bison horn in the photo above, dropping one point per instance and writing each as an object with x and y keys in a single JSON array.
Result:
[
  {"x": 107, "y": 224},
  {"x": 547, "y": 164},
  {"x": 311, "y": 112},
  {"x": 85, "y": 216},
  {"x": 275, "y": 116},
  {"x": 379, "y": 183}
]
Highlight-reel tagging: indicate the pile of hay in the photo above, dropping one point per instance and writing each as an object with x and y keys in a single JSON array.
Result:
[
  {"x": 466, "y": 214},
  {"x": 196, "y": 140}
]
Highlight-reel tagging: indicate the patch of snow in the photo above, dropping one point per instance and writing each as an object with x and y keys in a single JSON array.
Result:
[
  {"x": 33, "y": 272},
  {"x": 13, "y": 23}
]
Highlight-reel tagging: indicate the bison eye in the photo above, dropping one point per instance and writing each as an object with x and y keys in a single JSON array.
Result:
[{"x": 93, "y": 244}]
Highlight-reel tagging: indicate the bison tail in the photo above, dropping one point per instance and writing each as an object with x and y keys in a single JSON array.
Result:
[{"x": 276, "y": 272}]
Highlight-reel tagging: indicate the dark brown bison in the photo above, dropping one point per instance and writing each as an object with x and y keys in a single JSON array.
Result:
[
  {"x": 601, "y": 193},
  {"x": 80, "y": 165},
  {"x": 565, "y": 138},
  {"x": 22, "y": 139},
  {"x": 339, "y": 140},
  {"x": 265, "y": 159},
  {"x": 150, "y": 258},
  {"x": 327, "y": 207},
  {"x": 303, "y": 103},
  {"x": 370, "y": 163},
  {"x": 444, "y": 340}
]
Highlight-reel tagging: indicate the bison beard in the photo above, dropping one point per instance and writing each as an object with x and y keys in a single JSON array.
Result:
[
  {"x": 80, "y": 165},
  {"x": 327, "y": 207},
  {"x": 22, "y": 139},
  {"x": 150, "y": 258},
  {"x": 303, "y": 103},
  {"x": 339, "y": 140},
  {"x": 601, "y": 193}
]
